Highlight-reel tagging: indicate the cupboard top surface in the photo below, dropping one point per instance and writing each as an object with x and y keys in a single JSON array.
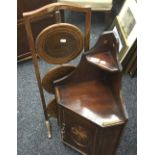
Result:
[{"x": 93, "y": 100}]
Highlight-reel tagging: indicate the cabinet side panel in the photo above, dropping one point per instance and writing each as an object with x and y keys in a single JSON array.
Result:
[{"x": 108, "y": 139}]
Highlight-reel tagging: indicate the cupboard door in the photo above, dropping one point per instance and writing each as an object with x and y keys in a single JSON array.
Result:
[{"x": 78, "y": 132}]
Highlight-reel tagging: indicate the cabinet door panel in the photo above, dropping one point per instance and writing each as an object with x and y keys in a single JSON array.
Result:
[{"x": 78, "y": 132}]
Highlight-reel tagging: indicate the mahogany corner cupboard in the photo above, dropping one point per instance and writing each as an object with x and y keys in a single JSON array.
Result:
[{"x": 91, "y": 110}]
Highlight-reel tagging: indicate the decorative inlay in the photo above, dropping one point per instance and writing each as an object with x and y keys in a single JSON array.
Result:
[
  {"x": 59, "y": 43},
  {"x": 80, "y": 135}
]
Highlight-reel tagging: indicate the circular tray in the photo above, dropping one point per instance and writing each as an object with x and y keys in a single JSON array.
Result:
[
  {"x": 54, "y": 74},
  {"x": 59, "y": 43}
]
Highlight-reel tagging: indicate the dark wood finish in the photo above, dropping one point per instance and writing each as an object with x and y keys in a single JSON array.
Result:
[
  {"x": 37, "y": 72},
  {"x": 28, "y": 5},
  {"x": 22, "y": 40},
  {"x": 36, "y": 15},
  {"x": 23, "y": 51},
  {"x": 59, "y": 43},
  {"x": 22, "y": 44},
  {"x": 52, "y": 109},
  {"x": 90, "y": 107},
  {"x": 54, "y": 74},
  {"x": 33, "y": 15},
  {"x": 77, "y": 132}
]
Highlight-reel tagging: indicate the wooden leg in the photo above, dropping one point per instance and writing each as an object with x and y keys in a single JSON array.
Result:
[
  {"x": 48, "y": 129},
  {"x": 43, "y": 102},
  {"x": 37, "y": 73}
]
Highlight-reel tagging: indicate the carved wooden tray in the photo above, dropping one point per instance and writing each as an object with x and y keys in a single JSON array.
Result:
[
  {"x": 59, "y": 43},
  {"x": 55, "y": 74}
]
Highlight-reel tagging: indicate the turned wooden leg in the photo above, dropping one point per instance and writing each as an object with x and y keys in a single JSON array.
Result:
[{"x": 48, "y": 129}]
